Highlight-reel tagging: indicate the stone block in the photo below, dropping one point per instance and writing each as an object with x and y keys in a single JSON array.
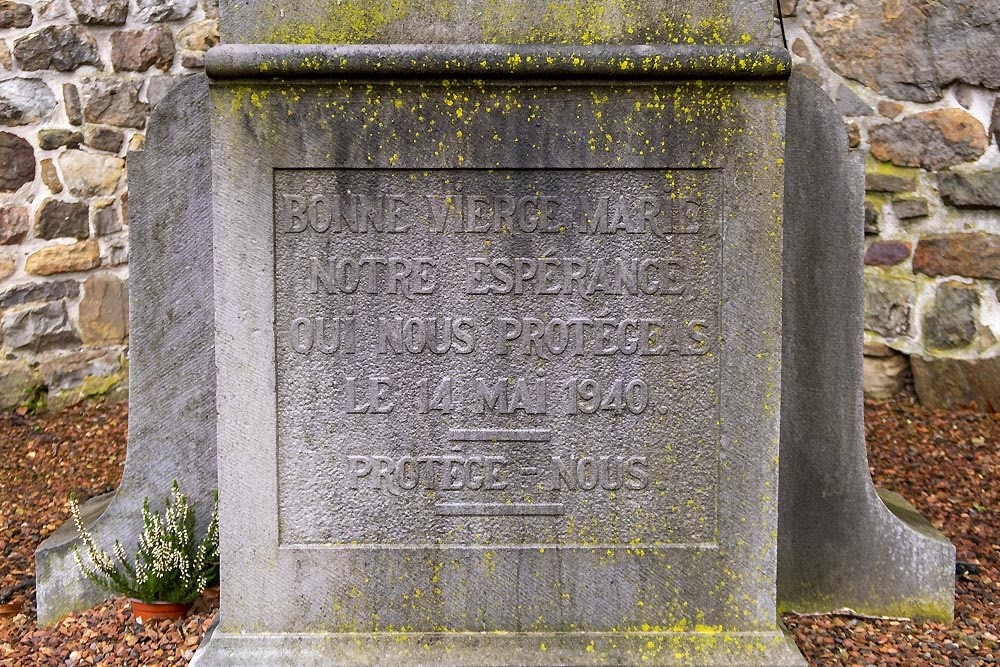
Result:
[
  {"x": 890, "y": 108},
  {"x": 105, "y": 217},
  {"x": 887, "y": 253},
  {"x": 18, "y": 381},
  {"x": 165, "y": 10},
  {"x": 140, "y": 50},
  {"x": 840, "y": 542},
  {"x": 62, "y": 219},
  {"x": 71, "y": 100},
  {"x": 885, "y": 377},
  {"x": 67, "y": 371},
  {"x": 979, "y": 189},
  {"x": 956, "y": 383},
  {"x": 910, "y": 207},
  {"x": 17, "y": 162},
  {"x": 13, "y": 225},
  {"x": 871, "y": 218},
  {"x": 931, "y": 139},
  {"x": 15, "y": 15},
  {"x": 888, "y": 304},
  {"x": 5, "y": 58},
  {"x": 8, "y": 265},
  {"x": 47, "y": 261},
  {"x": 49, "y": 290},
  {"x": 113, "y": 102},
  {"x": 50, "y": 177},
  {"x": 52, "y": 138},
  {"x": 950, "y": 321},
  {"x": 38, "y": 327},
  {"x": 975, "y": 255},
  {"x": 91, "y": 174},
  {"x": 104, "y": 138},
  {"x": 104, "y": 311},
  {"x": 887, "y": 177},
  {"x": 995, "y": 121},
  {"x": 199, "y": 36},
  {"x": 101, "y": 12},
  {"x": 63, "y": 48},
  {"x": 25, "y": 101},
  {"x": 849, "y": 104}
]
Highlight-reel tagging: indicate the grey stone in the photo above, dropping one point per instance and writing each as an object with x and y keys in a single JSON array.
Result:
[
  {"x": 840, "y": 543},
  {"x": 888, "y": 304},
  {"x": 51, "y": 138},
  {"x": 13, "y": 222},
  {"x": 541, "y": 573},
  {"x": 172, "y": 376},
  {"x": 101, "y": 12},
  {"x": 104, "y": 138},
  {"x": 15, "y": 15},
  {"x": 106, "y": 218},
  {"x": 71, "y": 99},
  {"x": 911, "y": 49},
  {"x": 849, "y": 104},
  {"x": 113, "y": 102},
  {"x": 139, "y": 50},
  {"x": 159, "y": 86},
  {"x": 933, "y": 139},
  {"x": 955, "y": 383},
  {"x": 978, "y": 189},
  {"x": 17, "y": 162},
  {"x": 165, "y": 10},
  {"x": 950, "y": 321},
  {"x": 67, "y": 371},
  {"x": 53, "y": 290},
  {"x": 63, "y": 48},
  {"x": 193, "y": 60},
  {"x": 38, "y": 327},
  {"x": 62, "y": 219},
  {"x": 25, "y": 101},
  {"x": 871, "y": 218},
  {"x": 911, "y": 207},
  {"x": 17, "y": 382}
]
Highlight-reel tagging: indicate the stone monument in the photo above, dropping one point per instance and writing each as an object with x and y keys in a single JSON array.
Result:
[{"x": 498, "y": 334}]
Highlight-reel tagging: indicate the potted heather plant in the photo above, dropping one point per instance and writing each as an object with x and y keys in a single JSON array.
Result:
[{"x": 170, "y": 568}]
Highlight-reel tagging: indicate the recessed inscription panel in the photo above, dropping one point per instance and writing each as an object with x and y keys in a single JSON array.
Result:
[{"x": 497, "y": 357}]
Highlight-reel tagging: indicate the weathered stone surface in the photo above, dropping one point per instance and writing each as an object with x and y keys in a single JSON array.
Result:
[
  {"x": 52, "y": 10},
  {"x": 104, "y": 311},
  {"x": 53, "y": 259},
  {"x": 159, "y": 86},
  {"x": 840, "y": 543},
  {"x": 69, "y": 370},
  {"x": 950, "y": 322},
  {"x": 800, "y": 49},
  {"x": 103, "y": 138},
  {"x": 979, "y": 189},
  {"x": 995, "y": 121},
  {"x": 48, "y": 290},
  {"x": 8, "y": 265},
  {"x": 17, "y": 162},
  {"x": 885, "y": 376},
  {"x": 975, "y": 255},
  {"x": 909, "y": 49},
  {"x": 889, "y": 108},
  {"x": 71, "y": 100},
  {"x": 887, "y": 177},
  {"x": 115, "y": 253},
  {"x": 199, "y": 36},
  {"x": 137, "y": 142},
  {"x": 60, "y": 47},
  {"x": 5, "y": 58},
  {"x": 101, "y": 12},
  {"x": 887, "y": 253},
  {"x": 952, "y": 383},
  {"x": 849, "y": 104},
  {"x": 17, "y": 382},
  {"x": 138, "y": 50},
  {"x": 853, "y": 135},
  {"x": 788, "y": 7},
  {"x": 51, "y": 138},
  {"x": 91, "y": 174},
  {"x": 62, "y": 219},
  {"x": 193, "y": 60},
  {"x": 911, "y": 207},
  {"x": 932, "y": 139},
  {"x": 965, "y": 95},
  {"x": 113, "y": 102},
  {"x": 38, "y": 327},
  {"x": 15, "y": 15},
  {"x": 871, "y": 218},
  {"x": 165, "y": 10},
  {"x": 25, "y": 101},
  {"x": 888, "y": 304},
  {"x": 50, "y": 177},
  {"x": 105, "y": 217},
  {"x": 13, "y": 224}
]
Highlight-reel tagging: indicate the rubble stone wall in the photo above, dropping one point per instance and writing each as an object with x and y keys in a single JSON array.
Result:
[{"x": 916, "y": 80}]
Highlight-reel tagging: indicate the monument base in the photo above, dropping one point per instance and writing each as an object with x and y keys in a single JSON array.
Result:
[{"x": 492, "y": 649}]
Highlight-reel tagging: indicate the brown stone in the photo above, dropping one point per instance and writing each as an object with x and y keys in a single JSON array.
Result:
[
  {"x": 113, "y": 102},
  {"x": 13, "y": 225},
  {"x": 889, "y": 108},
  {"x": 15, "y": 15},
  {"x": 195, "y": 60},
  {"x": 62, "y": 219},
  {"x": 199, "y": 36},
  {"x": 800, "y": 49},
  {"x": 103, "y": 138},
  {"x": 7, "y": 267},
  {"x": 81, "y": 256},
  {"x": 974, "y": 255},
  {"x": 995, "y": 121},
  {"x": 60, "y": 47},
  {"x": 952, "y": 383},
  {"x": 50, "y": 177},
  {"x": 17, "y": 162},
  {"x": 871, "y": 219},
  {"x": 887, "y": 253},
  {"x": 911, "y": 207},
  {"x": 52, "y": 138},
  {"x": 104, "y": 311},
  {"x": 933, "y": 139},
  {"x": 885, "y": 376},
  {"x": 124, "y": 200},
  {"x": 875, "y": 349},
  {"x": 853, "y": 135},
  {"x": 788, "y": 7},
  {"x": 71, "y": 99},
  {"x": 101, "y": 12},
  {"x": 5, "y": 58},
  {"x": 138, "y": 50},
  {"x": 91, "y": 174}
]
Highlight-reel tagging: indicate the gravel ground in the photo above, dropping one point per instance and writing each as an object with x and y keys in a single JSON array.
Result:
[{"x": 945, "y": 463}]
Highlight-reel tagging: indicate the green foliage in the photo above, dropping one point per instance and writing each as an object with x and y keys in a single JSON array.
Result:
[{"x": 169, "y": 564}]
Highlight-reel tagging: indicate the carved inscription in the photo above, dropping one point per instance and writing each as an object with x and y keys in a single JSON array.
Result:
[{"x": 456, "y": 348}]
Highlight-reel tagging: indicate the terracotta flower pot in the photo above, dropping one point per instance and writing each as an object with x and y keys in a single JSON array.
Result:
[{"x": 144, "y": 611}]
